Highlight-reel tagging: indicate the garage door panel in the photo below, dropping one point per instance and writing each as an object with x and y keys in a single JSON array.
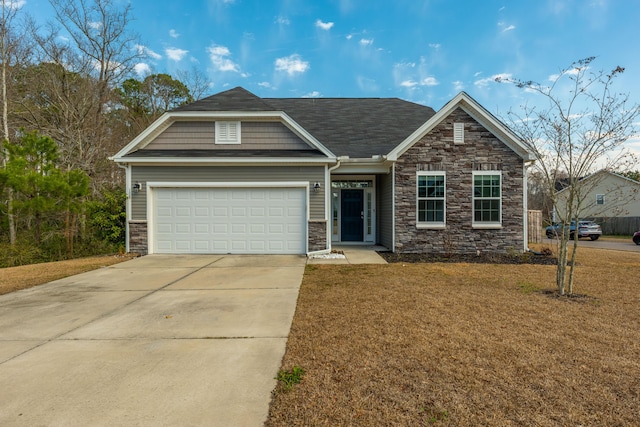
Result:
[
  {"x": 183, "y": 211},
  {"x": 225, "y": 220},
  {"x": 202, "y": 228}
]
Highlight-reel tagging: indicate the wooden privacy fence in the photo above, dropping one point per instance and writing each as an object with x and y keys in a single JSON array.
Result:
[
  {"x": 624, "y": 226},
  {"x": 534, "y": 226}
]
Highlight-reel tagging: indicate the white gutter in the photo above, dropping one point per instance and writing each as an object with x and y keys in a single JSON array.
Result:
[{"x": 127, "y": 190}]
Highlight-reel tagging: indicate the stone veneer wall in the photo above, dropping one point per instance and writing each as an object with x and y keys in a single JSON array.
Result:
[
  {"x": 138, "y": 238},
  {"x": 437, "y": 152},
  {"x": 317, "y": 235}
]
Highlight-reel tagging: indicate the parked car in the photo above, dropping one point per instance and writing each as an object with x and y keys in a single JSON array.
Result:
[
  {"x": 636, "y": 237},
  {"x": 585, "y": 229}
]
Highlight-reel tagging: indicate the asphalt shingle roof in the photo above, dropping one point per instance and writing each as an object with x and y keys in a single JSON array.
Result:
[{"x": 354, "y": 127}]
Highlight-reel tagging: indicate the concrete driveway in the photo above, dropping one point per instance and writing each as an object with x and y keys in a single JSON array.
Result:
[
  {"x": 626, "y": 245},
  {"x": 159, "y": 340}
]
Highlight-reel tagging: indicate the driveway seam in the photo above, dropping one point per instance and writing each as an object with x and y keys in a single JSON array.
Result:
[{"x": 55, "y": 338}]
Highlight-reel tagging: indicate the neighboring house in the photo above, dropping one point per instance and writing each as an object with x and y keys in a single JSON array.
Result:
[
  {"x": 235, "y": 173},
  {"x": 610, "y": 199}
]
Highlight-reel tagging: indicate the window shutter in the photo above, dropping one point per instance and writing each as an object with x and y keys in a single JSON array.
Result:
[{"x": 458, "y": 133}]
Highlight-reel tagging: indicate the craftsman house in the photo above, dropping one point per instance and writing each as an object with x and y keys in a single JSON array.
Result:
[{"x": 236, "y": 173}]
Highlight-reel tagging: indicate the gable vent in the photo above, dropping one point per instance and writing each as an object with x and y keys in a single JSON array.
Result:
[
  {"x": 458, "y": 133},
  {"x": 227, "y": 132}
]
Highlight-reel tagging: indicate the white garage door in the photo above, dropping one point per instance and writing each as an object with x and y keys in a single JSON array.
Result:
[{"x": 229, "y": 220}]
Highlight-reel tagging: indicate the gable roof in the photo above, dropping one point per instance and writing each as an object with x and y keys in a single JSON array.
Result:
[
  {"x": 236, "y": 99},
  {"x": 479, "y": 114},
  {"x": 353, "y": 127},
  {"x": 337, "y": 127},
  {"x": 601, "y": 173}
]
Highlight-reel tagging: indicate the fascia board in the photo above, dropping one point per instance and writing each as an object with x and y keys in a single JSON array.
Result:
[
  {"x": 236, "y": 161},
  {"x": 479, "y": 113},
  {"x": 160, "y": 124}
]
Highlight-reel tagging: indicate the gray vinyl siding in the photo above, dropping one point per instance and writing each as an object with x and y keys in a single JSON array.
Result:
[
  {"x": 193, "y": 135},
  {"x": 385, "y": 210},
  {"x": 144, "y": 174}
]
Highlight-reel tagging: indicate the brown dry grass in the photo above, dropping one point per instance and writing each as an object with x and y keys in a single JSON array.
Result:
[
  {"x": 27, "y": 276},
  {"x": 465, "y": 345}
]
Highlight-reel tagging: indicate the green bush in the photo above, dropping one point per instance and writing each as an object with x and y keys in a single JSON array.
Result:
[{"x": 107, "y": 216}]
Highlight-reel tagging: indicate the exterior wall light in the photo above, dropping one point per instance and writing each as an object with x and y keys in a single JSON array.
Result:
[
  {"x": 316, "y": 187},
  {"x": 136, "y": 187}
]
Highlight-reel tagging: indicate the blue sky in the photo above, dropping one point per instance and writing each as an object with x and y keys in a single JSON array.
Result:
[{"x": 424, "y": 51}]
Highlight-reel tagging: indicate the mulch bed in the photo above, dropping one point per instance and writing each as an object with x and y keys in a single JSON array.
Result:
[{"x": 486, "y": 258}]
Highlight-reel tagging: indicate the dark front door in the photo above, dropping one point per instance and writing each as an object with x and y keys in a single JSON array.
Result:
[{"x": 352, "y": 216}]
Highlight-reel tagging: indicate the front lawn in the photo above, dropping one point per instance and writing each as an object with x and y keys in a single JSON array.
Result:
[
  {"x": 465, "y": 344},
  {"x": 26, "y": 276}
]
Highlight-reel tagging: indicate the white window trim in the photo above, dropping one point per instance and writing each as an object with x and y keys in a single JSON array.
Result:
[
  {"x": 439, "y": 225},
  {"x": 484, "y": 225},
  {"x": 220, "y": 137}
]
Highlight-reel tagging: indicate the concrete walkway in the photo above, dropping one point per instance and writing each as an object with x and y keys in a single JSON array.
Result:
[
  {"x": 156, "y": 341},
  {"x": 353, "y": 254}
]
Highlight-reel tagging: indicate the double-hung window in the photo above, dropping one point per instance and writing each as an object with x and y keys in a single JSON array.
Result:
[
  {"x": 431, "y": 199},
  {"x": 487, "y": 199}
]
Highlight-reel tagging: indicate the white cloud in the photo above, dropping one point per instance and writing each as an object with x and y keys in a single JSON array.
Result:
[
  {"x": 458, "y": 86},
  {"x": 281, "y": 20},
  {"x": 314, "y": 94},
  {"x": 264, "y": 84},
  {"x": 14, "y": 4},
  {"x": 291, "y": 64},
  {"x": 506, "y": 27},
  {"x": 324, "y": 25},
  {"x": 175, "y": 54},
  {"x": 95, "y": 25},
  {"x": 485, "y": 82},
  {"x": 427, "y": 81},
  {"x": 570, "y": 72},
  {"x": 349, "y": 36},
  {"x": 142, "y": 69},
  {"x": 435, "y": 46},
  {"x": 219, "y": 58},
  {"x": 173, "y": 34},
  {"x": 366, "y": 42},
  {"x": 366, "y": 84},
  {"x": 143, "y": 50}
]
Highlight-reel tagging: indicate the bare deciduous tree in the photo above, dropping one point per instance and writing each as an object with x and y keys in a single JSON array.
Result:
[
  {"x": 14, "y": 47},
  {"x": 578, "y": 126},
  {"x": 77, "y": 78}
]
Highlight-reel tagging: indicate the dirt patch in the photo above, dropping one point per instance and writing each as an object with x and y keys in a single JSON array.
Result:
[
  {"x": 27, "y": 276},
  {"x": 456, "y": 344}
]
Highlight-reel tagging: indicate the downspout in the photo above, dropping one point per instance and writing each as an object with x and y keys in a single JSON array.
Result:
[
  {"x": 327, "y": 209},
  {"x": 393, "y": 208},
  {"x": 127, "y": 190},
  {"x": 328, "y": 202}
]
